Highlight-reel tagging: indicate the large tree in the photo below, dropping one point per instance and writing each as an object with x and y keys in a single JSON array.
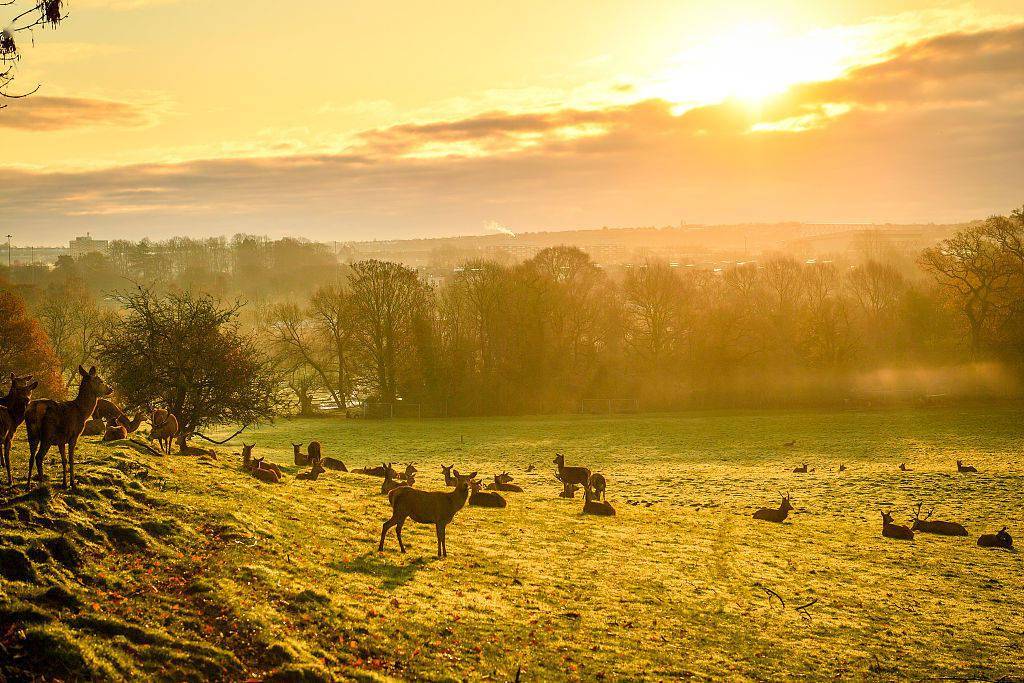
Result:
[
  {"x": 25, "y": 347},
  {"x": 185, "y": 352}
]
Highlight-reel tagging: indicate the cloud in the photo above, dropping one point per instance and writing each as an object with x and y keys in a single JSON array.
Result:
[
  {"x": 935, "y": 131},
  {"x": 42, "y": 113}
]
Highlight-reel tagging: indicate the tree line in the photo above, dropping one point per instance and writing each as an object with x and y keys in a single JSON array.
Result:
[{"x": 536, "y": 336}]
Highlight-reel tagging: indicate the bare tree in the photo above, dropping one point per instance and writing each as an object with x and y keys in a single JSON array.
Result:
[{"x": 26, "y": 17}]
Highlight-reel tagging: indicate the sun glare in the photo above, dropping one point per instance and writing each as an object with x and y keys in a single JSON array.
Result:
[{"x": 754, "y": 61}]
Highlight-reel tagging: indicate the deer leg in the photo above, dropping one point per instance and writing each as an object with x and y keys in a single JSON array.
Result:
[
  {"x": 7, "y": 460},
  {"x": 398, "y": 532},
  {"x": 33, "y": 447},
  {"x": 384, "y": 530},
  {"x": 71, "y": 461},
  {"x": 63, "y": 464}
]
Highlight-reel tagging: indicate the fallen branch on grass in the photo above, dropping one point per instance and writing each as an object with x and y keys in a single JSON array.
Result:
[
  {"x": 802, "y": 609},
  {"x": 773, "y": 594}
]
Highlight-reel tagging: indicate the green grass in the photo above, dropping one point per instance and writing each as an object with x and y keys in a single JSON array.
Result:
[{"x": 193, "y": 568}]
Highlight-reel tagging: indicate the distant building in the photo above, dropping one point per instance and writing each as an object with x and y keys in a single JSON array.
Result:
[{"x": 80, "y": 246}]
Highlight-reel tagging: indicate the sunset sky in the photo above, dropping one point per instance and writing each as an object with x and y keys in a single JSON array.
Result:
[{"x": 361, "y": 120}]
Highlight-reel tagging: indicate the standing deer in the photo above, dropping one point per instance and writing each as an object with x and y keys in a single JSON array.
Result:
[
  {"x": 777, "y": 515},
  {"x": 425, "y": 507},
  {"x": 165, "y": 428},
  {"x": 60, "y": 423},
  {"x": 897, "y": 531},
  {"x": 965, "y": 469},
  {"x": 599, "y": 484},
  {"x": 928, "y": 526},
  {"x": 571, "y": 475},
  {"x": 12, "y": 414}
]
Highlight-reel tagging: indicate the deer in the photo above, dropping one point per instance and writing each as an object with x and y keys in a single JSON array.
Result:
[
  {"x": 301, "y": 459},
  {"x": 599, "y": 485},
  {"x": 59, "y": 423},
  {"x": 591, "y": 506},
  {"x": 1000, "y": 539},
  {"x": 789, "y": 444},
  {"x": 904, "y": 468},
  {"x": 505, "y": 478},
  {"x": 571, "y": 475},
  {"x": 265, "y": 472},
  {"x": 114, "y": 433},
  {"x": 426, "y": 507},
  {"x": 452, "y": 476},
  {"x": 965, "y": 469},
  {"x": 842, "y": 467},
  {"x": 375, "y": 471},
  {"x": 313, "y": 473},
  {"x": 391, "y": 483},
  {"x": 896, "y": 531},
  {"x": 499, "y": 485},
  {"x": 120, "y": 427},
  {"x": 800, "y": 470},
  {"x": 107, "y": 415},
  {"x": 927, "y": 526},
  {"x": 777, "y": 515},
  {"x": 484, "y": 499},
  {"x": 165, "y": 428},
  {"x": 569, "y": 490},
  {"x": 12, "y": 414}
]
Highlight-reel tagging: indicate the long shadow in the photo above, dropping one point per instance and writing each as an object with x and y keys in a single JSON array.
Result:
[{"x": 374, "y": 564}]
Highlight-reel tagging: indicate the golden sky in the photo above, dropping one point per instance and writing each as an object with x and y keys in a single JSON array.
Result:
[{"x": 359, "y": 120}]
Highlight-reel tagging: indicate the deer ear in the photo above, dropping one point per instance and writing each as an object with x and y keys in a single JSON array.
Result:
[
  {"x": 33, "y": 385},
  {"x": 92, "y": 371},
  {"x": 472, "y": 475},
  {"x": 82, "y": 372}
]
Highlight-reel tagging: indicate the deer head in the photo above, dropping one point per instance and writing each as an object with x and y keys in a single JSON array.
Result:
[{"x": 93, "y": 383}]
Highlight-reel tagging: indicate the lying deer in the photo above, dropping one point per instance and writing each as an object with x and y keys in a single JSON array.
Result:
[
  {"x": 773, "y": 514},
  {"x": 571, "y": 475},
  {"x": 390, "y": 483},
  {"x": 591, "y": 506},
  {"x": 328, "y": 462},
  {"x": 842, "y": 468},
  {"x": 376, "y": 472},
  {"x": 897, "y": 531},
  {"x": 316, "y": 470},
  {"x": 1000, "y": 539},
  {"x": 264, "y": 471},
  {"x": 425, "y": 507},
  {"x": 800, "y": 470},
  {"x": 904, "y": 468},
  {"x": 927, "y": 526},
  {"x": 569, "y": 490},
  {"x": 410, "y": 471},
  {"x": 965, "y": 469},
  {"x": 301, "y": 459},
  {"x": 60, "y": 423},
  {"x": 599, "y": 485},
  {"x": 484, "y": 499},
  {"x": 500, "y": 485}
]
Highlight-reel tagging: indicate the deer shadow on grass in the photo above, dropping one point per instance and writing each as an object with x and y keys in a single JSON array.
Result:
[{"x": 391, "y": 575}]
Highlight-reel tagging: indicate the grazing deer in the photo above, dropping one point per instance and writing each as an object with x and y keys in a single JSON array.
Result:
[
  {"x": 313, "y": 449},
  {"x": 500, "y": 485},
  {"x": 904, "y": 468},
  {"x": 897, "y": 531},
  {"x": 965, "y": 469},
  {"x": 928, "y": 526},
  {"x": 1000, "y": 539},
  {"x": 571, "y": 475},
  {"x": 60, "y": 423},
  {"x": 164, "y": 428},
  {"x": 12, "y": 414},
  {"x": 599, "y": 485},
  {"x": 569, "y": 490},
  {"x": 591, "y": 506},
  {"x": 484, "y": 499},
  {"x": 425, "y": 507},
  {"x": 315, "y": 472},
  {"x": 777, "y": 515},
  {"x": 301, "y": 459},
  {"x": 800, "y": 470}
]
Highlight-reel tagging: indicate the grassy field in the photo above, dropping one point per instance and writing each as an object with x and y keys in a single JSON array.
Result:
[{"x": 185, "y": 568}]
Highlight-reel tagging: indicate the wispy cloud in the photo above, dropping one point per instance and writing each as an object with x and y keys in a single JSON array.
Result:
[
  {"x": 43, "y": 113},
  {"x": 933, "y": 131}
]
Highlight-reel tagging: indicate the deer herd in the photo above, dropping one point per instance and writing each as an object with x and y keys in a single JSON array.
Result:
[{"x": 50, "y": 423}]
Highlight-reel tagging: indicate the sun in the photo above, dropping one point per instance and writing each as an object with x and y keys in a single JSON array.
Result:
[{"x": 753, "y": 61}]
